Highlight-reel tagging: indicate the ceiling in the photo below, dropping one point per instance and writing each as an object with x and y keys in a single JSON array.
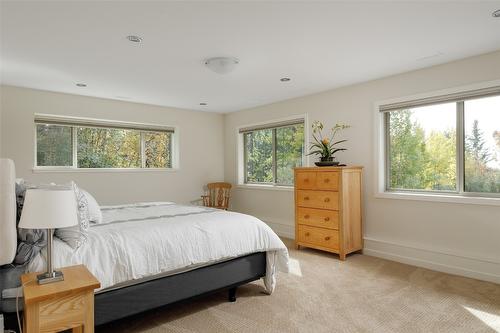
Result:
[{"x": 52, "y": 45}]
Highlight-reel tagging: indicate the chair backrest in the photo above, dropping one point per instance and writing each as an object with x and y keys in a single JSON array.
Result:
[{"x": 218, "y": 195}]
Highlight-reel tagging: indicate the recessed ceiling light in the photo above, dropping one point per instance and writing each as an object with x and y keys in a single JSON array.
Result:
[
  {"x": 496, "y": 13},
  {"x": 285, "y": 79},
  {"x": 81, "y": 85},
  {"x": 203, "y": 103},
  {"x": 134, "y": 39}
]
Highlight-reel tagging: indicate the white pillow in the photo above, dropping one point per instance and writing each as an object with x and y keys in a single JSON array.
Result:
[
  {"x": 95, "y": 214},
  {"x": 76, "y": 236}
]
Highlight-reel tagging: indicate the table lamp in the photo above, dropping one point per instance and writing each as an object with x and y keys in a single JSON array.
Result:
[{"x": 49, "y": 209}]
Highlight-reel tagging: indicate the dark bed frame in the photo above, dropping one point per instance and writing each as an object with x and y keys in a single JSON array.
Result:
[
  {"x": 228, "y": 275},
  {"x": 127, "y": 301}
]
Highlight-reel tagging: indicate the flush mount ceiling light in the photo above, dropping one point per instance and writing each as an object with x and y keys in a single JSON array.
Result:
[
  {"x": 496, "y": 13},
  {"x": 285, "y": 79},
  {"x": 222, "y": 65},
  {"x": 134, "y": 39},
  {"x": 82, "y": 85}
]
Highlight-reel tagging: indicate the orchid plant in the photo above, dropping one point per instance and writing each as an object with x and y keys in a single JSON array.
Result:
[{"x": 324, "y": 146}]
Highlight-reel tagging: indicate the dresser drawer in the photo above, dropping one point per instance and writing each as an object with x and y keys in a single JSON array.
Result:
[
  {"x": 318, "y": 217},
  {"x": 318, "y": 199},
  {"x": 305, "y": 180},
  {"x": 327, "y": 181},
  {"x": 319, "y": 236}
]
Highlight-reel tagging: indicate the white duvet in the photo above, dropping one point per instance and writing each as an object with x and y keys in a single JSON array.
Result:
[{"x": 143, "y": 240}]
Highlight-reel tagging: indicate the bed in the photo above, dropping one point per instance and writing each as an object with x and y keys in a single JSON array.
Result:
[{"x": 148, "y": 255}]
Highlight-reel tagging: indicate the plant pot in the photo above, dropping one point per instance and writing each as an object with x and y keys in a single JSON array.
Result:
[{"x": 326, "y": 161}]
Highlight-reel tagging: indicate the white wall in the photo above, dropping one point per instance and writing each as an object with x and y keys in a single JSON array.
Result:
[
  {"x": 1, "y": 112},
  {"x": 201, "y": 145},
  {"x": 457, "y": 238}
]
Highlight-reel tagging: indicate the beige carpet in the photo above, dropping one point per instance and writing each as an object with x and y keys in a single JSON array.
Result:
[{"x": 323, "y": 294}]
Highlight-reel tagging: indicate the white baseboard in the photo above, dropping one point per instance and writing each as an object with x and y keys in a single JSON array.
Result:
[{"x": 486, "y": 269}]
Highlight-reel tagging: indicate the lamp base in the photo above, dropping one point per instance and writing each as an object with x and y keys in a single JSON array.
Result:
[{"x": 50, "y": 277}]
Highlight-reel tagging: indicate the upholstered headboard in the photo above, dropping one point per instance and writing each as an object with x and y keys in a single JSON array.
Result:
[{"x": 8, "y": 234}]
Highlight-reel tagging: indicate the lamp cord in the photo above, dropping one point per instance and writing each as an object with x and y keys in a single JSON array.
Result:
[{"x": 17, "y": 305}]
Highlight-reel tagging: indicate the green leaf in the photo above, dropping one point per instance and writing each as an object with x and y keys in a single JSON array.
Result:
[
  {"x": 338, "y": 149},
  {"x": 336, "y": 143},
  {"x": 319, "y": 152}
]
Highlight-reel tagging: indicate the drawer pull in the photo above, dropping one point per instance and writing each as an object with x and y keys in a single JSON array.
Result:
[
  {"x": 306, "y": 216},
  {"x": 307, "y": 234},
  {"x": 306, "y": 198},
  {"x": 327, "y": 219},
  {"x": 327, "y": 238},
  {"x": 327, "y": 180},
  {"x": 327, "y": 199}
]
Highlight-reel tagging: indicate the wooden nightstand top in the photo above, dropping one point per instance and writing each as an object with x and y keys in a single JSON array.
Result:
[{"x": 76, "y": 278}]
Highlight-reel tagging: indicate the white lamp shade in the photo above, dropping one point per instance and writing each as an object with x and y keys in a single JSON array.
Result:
[{"x": 49, "y": 209}]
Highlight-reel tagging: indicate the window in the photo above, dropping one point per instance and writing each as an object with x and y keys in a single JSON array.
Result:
[
  {"x": 271, "y": 152},
  {"x": 422, "y": 154},
  {"x": 54, "y": 145},
  {"x": 482, "y": 145},
  {"x": 108, "y": 148},
  {"x": 87, "y": 145},
  {"x": 449, "y": 144}
]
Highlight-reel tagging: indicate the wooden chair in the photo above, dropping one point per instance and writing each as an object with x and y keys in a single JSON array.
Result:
[{"x": 217, "y": 195}]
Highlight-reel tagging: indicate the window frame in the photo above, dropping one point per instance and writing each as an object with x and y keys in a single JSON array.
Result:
[
  {"x": 459, "y": 127},
  {"x": 76, "y": 122},
  {"x": 242, "y": 156},
  {"x": 382, "y": 156}
]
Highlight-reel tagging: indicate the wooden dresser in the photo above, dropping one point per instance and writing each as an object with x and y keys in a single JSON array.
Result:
[{"x": 328, "y": 209}]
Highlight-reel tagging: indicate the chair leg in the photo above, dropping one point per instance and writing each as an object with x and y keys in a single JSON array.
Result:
[{"x": 232, "y": 294}]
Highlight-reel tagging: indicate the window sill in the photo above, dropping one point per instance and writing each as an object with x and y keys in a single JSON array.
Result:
[
  {"x": 265, "y": 187},
  {"x": 101, "y": 170},
  {"x": 440, "y": 197}
]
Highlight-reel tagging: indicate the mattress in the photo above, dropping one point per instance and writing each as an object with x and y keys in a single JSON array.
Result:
[
  {"x": 152, "y": 277},
  {"x": 144, "y": 241}
]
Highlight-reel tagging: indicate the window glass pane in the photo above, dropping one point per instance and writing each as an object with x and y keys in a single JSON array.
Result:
[
  {"x": 157, "y": 150},
  {"x": 289, "y": 151},
  {"x": 54, "y": 145},
  {"x": 259, "y": 156},
  {"x": 422, "y": 148},
  {"x": 108, "y": 148},
  {"x": 482, "y": 145}
]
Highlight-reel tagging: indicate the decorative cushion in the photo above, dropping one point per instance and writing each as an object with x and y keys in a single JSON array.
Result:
[
  {"x": 95, "y": 214},
  {"x": 29, "y": 241},
  {"x": 76, "y": 236}
]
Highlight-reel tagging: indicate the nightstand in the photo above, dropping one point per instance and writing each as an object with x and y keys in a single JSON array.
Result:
[{"x": 60, "y": 306}]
